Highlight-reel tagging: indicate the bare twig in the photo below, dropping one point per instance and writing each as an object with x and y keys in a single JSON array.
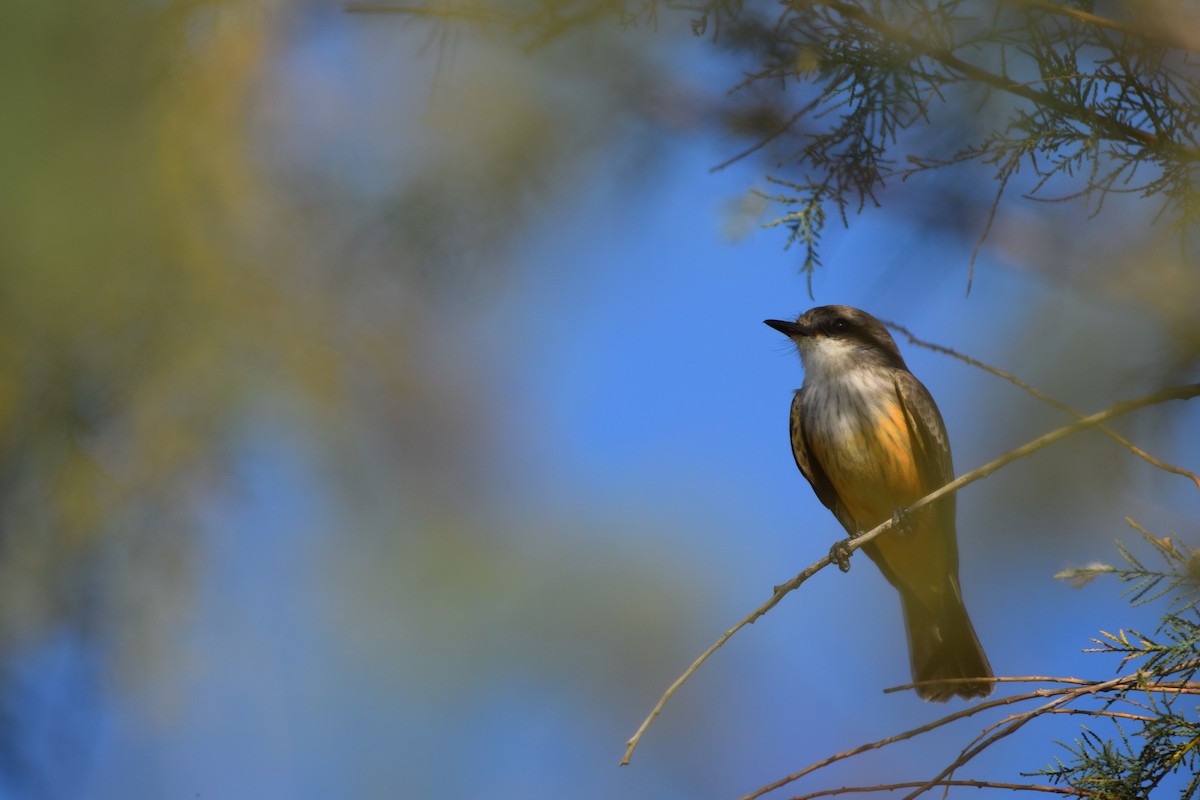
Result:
[
  {"x": 1005, "y": 173},
  {"x": 1163, "y": 37},
  {"x": 1095, "y": 712},
  {"x": 1006, "y": 679},
  {"x": 1014, "y": 724},
  {"x": 1172, "y": 393},
  {"x": 1045, "y": 398},
  {"x": 764, "y": 141},
  {"x": 891, "y": 787},
  {"x": 1075, "y": 689},
  {"x": 909, "y": 734}
]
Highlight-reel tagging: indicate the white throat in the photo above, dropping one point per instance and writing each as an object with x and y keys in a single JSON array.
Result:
[{"x": 829, "y": 360}]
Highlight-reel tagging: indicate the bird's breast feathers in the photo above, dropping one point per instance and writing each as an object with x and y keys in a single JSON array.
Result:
[{"x": 859, "y": 433}]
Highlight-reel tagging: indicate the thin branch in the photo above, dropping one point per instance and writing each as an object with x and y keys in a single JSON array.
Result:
[
  {"x": 900, "y": 737},
  {"x": 766, "y": 140},
  {"x": 850, "y": 545},
  {"x": 1006, "y": 679},
  {"x": 1016, "y": 724},
  {"x": 1045, "y": 398},
  {"x": 1005, "y": 173},
  {"x": 780, "y": 591},
  {"x": 1137, "y": 679},
  {"x": 1076, "y": 688},
  {"x": 1093, "y": 712},
  {"x": 1086, "y": 17},
  {"x": 1161, "y": 37},
  {"x": 891, "y": 787}
]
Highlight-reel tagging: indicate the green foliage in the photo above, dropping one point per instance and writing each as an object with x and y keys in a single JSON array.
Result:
[
  {"x": 852, "y": 96},
  {"x": 1155, "y": 730},
  {"x": 804, "y": 222},
  {"x": 1089, "y": 105}
]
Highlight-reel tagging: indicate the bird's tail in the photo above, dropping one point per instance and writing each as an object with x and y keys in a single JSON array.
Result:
[{"x": 942, "y": 645}]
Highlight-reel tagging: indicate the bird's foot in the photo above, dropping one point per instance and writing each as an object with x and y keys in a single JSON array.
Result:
[
  {"x": 902, "y": 521},
  {"x": 840, "y": 554}
]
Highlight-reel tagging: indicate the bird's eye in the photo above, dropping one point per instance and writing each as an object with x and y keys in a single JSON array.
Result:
[{"x": 840, "y": 325}]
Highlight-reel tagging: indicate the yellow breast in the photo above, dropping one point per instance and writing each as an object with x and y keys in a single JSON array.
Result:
[{"x": 866, "y": 451}]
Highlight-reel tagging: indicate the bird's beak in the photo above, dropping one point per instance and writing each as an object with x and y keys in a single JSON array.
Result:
[{"x": 788, "y": 328}]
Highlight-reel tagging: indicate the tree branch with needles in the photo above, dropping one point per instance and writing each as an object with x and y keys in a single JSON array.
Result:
[{"x": 1059, "y": 697}]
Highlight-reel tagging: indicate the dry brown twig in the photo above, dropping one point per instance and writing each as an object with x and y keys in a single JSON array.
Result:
[
  {"x": 909, "y": 734},
  {"x": 1171, "y": 393},
  {"x": 1092, "y": 712},
  {"x": 1014, "y": 723},
  {"x": 1074, "y": 689},
  {"x": 890, "y": 787}
]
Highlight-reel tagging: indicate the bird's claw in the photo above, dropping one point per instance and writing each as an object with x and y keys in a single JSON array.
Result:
[
  {"x": 901, "y": 521},
  {"x": 840, "y": 554}
]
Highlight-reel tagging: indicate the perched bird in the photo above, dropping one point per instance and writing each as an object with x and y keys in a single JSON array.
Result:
[{"x": 871, "y": 441}]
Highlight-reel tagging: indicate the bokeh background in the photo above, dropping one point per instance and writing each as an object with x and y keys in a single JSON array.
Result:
[{"x": 385, "y": 412}]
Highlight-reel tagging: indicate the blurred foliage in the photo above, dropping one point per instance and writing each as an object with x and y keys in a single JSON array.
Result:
[
  {"x": 192, "y": 236},
  {"x": 119, "y": 290},
  {"x": 156, "y": 287},
  {"x": 843, "y": 101},
  {"x": 193, "y": 243}
]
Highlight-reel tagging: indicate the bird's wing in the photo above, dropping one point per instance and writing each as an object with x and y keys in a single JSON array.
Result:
[
  {"x": 931, "y": 447},
  {"x": 811, "y": 469}
]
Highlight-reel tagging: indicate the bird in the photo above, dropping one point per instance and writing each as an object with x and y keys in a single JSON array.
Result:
[{"x": 868, "y": 437}]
